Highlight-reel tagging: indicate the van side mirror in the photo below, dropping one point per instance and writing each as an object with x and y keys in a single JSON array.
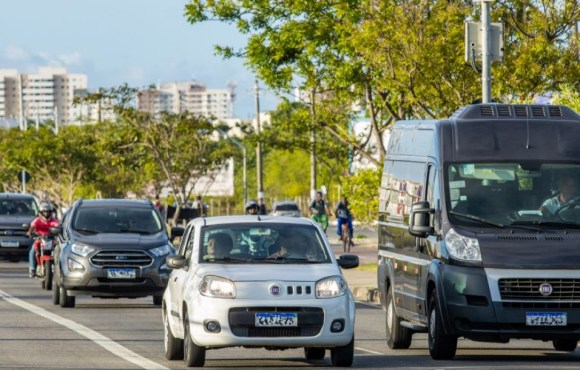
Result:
[
  {"x": 55, "y": 230},
  {"x": 420, "y": 219}
]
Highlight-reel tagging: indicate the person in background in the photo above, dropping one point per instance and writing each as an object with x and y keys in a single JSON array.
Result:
[
  {"x": 262, "y": 207},
  {"x": 159, "y": 205},
  {"x": 319, "y": 210},
  {"x": 252, "y": 207},
  {"x": 201, "y": 206},
  {"x": 344, "y": 216},
  {"x": 40, "y": 226}
]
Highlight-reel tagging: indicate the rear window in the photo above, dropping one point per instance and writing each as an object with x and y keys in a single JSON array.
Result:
[
  {"x": 287, "y": 207},
  {"x": 18, "y": 207},
  {"x": 117, "y": 220}
]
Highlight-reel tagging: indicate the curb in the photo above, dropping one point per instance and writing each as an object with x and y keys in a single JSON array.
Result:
[{"x": 366, "y": 294}]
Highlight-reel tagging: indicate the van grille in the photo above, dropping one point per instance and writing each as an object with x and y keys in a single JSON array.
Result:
[
  {"x": 529, "y": 289},
  {"x": 121, "y": 258}
]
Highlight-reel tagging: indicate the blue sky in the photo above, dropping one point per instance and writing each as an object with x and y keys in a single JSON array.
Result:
[{"x": 139, "y": 42}]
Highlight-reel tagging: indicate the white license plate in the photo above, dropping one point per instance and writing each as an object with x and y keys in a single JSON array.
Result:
[
  {"x": 9, "y": 244},
  {"x": 47, "y": 246},
  {"x": 276, "y": 319},
  {"x": 121, "y": 273},
  {"x": 546, "y": 319}
]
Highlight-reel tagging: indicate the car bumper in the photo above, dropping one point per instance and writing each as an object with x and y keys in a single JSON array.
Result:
[{"x": 15, "y": 246}]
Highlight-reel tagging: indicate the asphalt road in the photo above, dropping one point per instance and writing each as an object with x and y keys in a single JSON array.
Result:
[{"x": 127, "y": 334}]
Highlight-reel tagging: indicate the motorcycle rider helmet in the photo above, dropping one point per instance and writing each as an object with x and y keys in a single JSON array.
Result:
[
  {"x": 252, "y": 207},
  {"x": 46, "y": 210}
]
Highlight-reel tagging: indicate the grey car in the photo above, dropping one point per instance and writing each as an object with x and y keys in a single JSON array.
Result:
[
  {"x": 286, "y": 208},
  {"x": 16, "y": 213},
  {"x": 111, "y": 248}
]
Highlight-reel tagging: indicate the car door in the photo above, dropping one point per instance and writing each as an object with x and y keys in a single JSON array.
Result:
[{"x": 178, "y": 277}]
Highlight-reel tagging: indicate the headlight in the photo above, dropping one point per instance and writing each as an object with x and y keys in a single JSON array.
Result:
[
  {"x": 82, "y": 250},
  {"x": 330, "y": 287},
  {"x": 215, "y": 286},
  {"x": 161, "y": 251},
  {"x": 461, "y": 247}
]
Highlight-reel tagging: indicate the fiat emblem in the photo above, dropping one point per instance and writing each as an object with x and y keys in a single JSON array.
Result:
[
  {"x": 545, "y": 289},
  {"x": 275, "y": 290}
]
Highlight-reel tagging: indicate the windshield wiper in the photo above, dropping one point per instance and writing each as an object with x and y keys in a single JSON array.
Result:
[
  {"x": 129, "y": 231},
  {"x": 479, "y": 219},
  {"x": 548, "y": 223},
  {"x": 228, "y": 260}
]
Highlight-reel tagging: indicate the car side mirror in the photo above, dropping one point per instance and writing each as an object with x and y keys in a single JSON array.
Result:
[
  {"x": 420, "y": 219},
  {"x": 348, "y": 261},
  {"x": 175, "y": 232},
  {"x": 175, "y": 262},
  {"x": 55, "y": 230}
]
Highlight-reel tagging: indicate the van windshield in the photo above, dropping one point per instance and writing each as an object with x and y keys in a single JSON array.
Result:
[{"x": 504, "y": 194}]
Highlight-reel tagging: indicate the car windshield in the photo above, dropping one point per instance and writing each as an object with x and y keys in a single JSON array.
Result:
[
  {"x": 263, "y": 243},
  {"x": 18, "y": 207},
  {"x": 528, "y": 194},
  {"x": 117, "y": 220},
  {"x": 286, "y": 207}
]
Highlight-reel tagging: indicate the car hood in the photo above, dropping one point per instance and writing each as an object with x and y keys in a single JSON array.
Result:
[
  {"x": 14, "y": 221},
  {"x": 124, "y": 240},
  {"x": 270, "y": 272}
]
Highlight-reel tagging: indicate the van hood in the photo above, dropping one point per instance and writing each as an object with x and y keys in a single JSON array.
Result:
[
  {"x": 124, "y": 240},
  {"x": 265, "y": 272},
  {"x": 14, "y": 222}
]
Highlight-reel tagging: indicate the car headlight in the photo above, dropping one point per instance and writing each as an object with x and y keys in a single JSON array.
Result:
[
  {"x": 330, "y": 287},
  {"x": 218, "y": 287},
  {"x": 161, "y": 251},
  {"x": 81, "y": 249},
  {"x": 461, "y": 247}
]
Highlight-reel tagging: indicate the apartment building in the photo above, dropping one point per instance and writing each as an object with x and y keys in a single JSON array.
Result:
[{"x": 194, "y": 97}]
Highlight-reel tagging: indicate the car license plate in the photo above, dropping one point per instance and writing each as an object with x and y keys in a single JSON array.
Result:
[
  {"x": 276, "y": 319},
  {"x": 546, "y": 319},
  {"x": 121, "y": 273},
  {"x": 9, "y": 244}
]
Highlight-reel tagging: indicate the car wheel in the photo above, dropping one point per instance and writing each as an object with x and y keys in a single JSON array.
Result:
[
  {"x": 48, "y": 275},
  {"x": 193, "y": 355},
  {"x": 344, "y": 355},
  {"x": 441, "y": 345},
  {"x": 157, "y": 300},
  {"x": 566, "y": 345},
  {"x": 314, "y": 353},
  {"x": 398, "y": 337},
  {"x": 173, "y": 346},
  {"x": 55, "y": 292},
  {"x": 65, "y": 300}
]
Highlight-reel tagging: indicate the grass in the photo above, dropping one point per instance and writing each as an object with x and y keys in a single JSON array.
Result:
[
  {"x": 368, "y": 267},
  {"x": 360, "y": 236}
]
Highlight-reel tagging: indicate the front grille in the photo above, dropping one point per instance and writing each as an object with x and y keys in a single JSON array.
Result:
[
  {"x": 12, "y": 232},
  {"x": 242, "y": 322},
  {"x": 541, "y": 305},
  {"x": 116, "y": 258},
  {"x": 519, "y": 289}
]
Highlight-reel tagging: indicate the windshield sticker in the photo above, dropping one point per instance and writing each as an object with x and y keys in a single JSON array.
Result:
[
  {"x": 454, "y": 194},
  {"x": 468, "y": 169},
  {"x": 460, "y": 184}
]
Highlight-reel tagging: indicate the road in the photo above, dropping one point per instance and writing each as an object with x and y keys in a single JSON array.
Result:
[{"x": 127, "y": 334}]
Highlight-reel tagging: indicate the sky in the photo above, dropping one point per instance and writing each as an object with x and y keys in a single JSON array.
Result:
[{"x": 139, "y": 42}]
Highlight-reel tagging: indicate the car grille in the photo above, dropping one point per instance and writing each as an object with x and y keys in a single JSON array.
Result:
[
  {"x": 12, "y": 232},
  {"x": 112, "y": 258},
  {"x": 242, "y": 322},
  {"x": 518, "y": 289}
]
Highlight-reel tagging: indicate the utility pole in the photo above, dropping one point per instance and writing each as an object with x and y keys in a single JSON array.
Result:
[
  {"x": 486, "y": 51},
  {"x": 259, "y": 145},
  {"x": 312, "y": 148}
]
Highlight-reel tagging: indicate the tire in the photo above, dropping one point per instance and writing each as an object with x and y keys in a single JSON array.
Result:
[
  {"x": 398, "y": 337},
  {"x": 65, "y": 300},
  {"x": 441, "y": 345},
  {"x": 343, "y": 356},
  {"x": 40, "y": 271},
  {"x": 193, "y": 355},
  {"x": 173, "y": 346},
  {"x": 157, "y": 300},
  {"x": 314, "y": 353},
  {"x": 566, "y": 345},
  {"x": 55, "y": 293},
  {"x": 48, "y": 275}
]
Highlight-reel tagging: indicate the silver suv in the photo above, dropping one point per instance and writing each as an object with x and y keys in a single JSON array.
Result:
[{"x": 111, "y": 248}]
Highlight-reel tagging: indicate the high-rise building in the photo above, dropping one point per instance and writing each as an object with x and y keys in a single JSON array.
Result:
[{"x": 177, "y": 97}]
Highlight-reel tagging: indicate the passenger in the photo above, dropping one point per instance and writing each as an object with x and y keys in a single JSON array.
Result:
[
  {"x": 567, "y": 194},
  {"x": 219, "y": 246}
]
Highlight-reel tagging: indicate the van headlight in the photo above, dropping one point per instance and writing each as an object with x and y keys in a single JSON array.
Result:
[
  {"x": 330, "y": 287},
  {"x": 161, "y": 251},
  {"x": 461, "y": 247},
  {"x": 81, "y": 249},
  {"x": 217, "y": 287}
]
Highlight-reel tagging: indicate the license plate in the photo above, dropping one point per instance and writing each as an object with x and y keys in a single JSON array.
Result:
[
  {"x": 47, "y": 246},
  {"x": 546, "y": 319},
  {"x": 276, "y": 319},
  {"x": 9, "y": 244},
  {"x": 121, "y": 273}
]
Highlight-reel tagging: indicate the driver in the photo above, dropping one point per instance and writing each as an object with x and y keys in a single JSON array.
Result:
[{"x": 567, "y": 194}]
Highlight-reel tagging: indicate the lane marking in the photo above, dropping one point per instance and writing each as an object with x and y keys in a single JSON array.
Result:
[
  {"x": 369, "y": 351},
  {"x": 103, "y": 341}
]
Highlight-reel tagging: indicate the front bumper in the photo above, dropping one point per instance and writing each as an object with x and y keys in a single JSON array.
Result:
[{"x": 17, "y": 246}]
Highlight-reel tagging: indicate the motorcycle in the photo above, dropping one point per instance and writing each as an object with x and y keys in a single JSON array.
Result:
[{"x": 43, "y": 247}]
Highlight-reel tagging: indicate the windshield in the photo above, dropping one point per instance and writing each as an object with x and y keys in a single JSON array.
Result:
[
  {"x": 117, "y": 220},
  {"x": 18, "y": 207},
  {"x": 500, "y": 194},
  {"x": 263, "y": 243}
]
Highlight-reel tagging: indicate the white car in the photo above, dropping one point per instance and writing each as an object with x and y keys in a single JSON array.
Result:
[{"x": 258, "y": 281}]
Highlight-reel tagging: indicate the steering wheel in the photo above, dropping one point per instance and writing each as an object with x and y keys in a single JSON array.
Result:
[{"x": 562, "y": 208}]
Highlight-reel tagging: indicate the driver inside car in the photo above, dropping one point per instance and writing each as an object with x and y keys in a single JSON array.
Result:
[{"x": 567, "y": 193}]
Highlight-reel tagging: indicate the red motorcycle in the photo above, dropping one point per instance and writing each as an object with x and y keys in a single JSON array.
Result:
[{"x": 43, "y": 247}]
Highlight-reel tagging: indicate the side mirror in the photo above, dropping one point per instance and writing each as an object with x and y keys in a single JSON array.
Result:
[
  {"x": 175, "y": 262},
  {"x": 56, "y": 230},
  {"x": 420, "y": 219},
  {"x": 175, "y": 232},
  {"x": 348, "y": 261}
]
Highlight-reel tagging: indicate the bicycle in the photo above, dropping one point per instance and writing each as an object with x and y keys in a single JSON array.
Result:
[{"x": 346, "y": 240}]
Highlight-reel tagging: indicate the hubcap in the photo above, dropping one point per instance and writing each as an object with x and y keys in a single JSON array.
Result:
[
  {"x": 390, "y": 316},
  {"x": 432, "y": 319}
]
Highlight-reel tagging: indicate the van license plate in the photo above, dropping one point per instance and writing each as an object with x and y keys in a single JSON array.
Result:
[
  {"x": 121, "y": 273},
  {"x": 276, "y": 319},
  {"x": 9, "y": 244},
  {"x": 546, "y": 319}
]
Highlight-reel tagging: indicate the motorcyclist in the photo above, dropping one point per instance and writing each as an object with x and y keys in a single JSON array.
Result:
[
  {"x": 40, "y": 226},
  {"x": 252, "y": 207}
]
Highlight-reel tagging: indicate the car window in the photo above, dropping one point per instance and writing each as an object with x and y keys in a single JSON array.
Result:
[
  {"x": 117, "y": 220},
  {"x": 262, "y": 243}
]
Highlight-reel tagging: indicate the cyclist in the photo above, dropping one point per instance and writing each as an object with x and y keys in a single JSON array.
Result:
[
  {"x": 319, "y": 210},
  {"x": 343, "y": 216}
]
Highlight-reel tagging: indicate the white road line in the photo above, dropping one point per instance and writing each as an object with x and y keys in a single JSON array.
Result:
[
  {"x": 107, "y": 343},
  {"x": 368, "y": 351}
]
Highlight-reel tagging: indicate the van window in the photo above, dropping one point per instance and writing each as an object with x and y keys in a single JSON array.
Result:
[{"x": 403, "y": 187}]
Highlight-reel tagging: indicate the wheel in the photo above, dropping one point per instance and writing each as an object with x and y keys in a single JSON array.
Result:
[
  {"x": 173, "y": 346},
  {"x": 398, "y": 337},
  {"x": 314, "y": 353},
  {"x": 193, "y": 355},
  {"x": 55, "y": 292},
  {"x": 157, "y": 300},
  {"x": 567, "y": 345},
  {"x": 48, "y": 275},
  {"x": 343, "y": 356},
  {"x": 441, "y": 345},
  {"x": 65, "y": 300}
]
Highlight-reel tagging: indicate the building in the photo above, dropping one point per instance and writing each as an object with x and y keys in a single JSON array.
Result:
[{"x": 194, "y": 97}]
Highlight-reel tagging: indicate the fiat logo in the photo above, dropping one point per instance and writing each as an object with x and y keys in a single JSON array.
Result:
[
  {"x": 545, "y": 289},
  {"x": 275, "y": 290}
]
